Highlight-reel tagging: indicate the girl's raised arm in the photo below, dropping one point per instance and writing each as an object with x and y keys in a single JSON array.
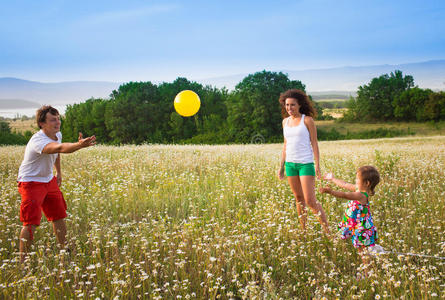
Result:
[
  {"x": 341, "y": 183},
  {"x": 345, "y": 195}
]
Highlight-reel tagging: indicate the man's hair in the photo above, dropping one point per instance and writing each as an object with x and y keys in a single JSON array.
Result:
[
  {"x": 41, "y": 113},
  {"x": 370, "y": 175}
]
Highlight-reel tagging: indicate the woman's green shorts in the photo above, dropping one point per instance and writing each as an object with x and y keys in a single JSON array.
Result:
[{"x": 296, "y": 169}]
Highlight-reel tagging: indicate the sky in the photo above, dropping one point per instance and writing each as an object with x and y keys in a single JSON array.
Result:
[{"x": 119, "y": 41}]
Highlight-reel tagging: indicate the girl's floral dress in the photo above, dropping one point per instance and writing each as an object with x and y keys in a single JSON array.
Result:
[{"x": 357, "y": 223}]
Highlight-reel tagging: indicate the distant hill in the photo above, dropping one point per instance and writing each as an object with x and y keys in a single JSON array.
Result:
[
  {"x": 345, "y": 95},
  {"x": 330, "y": 96},
  {"x": 59, "y": 93},
  {"x": 429, "y": 74},
  {"x": 17, "y": 103}
]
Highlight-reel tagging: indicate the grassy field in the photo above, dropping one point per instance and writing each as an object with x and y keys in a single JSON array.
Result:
[
  {"x": 204, "y": 222},
  {"x": 336, "y": 113},
  {"x": 22, "y": 126},
  {"x": 331, "y": 100},
  {"x": 418, "y": 129}
]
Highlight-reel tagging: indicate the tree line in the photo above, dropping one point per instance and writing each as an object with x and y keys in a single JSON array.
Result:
[
  {"x": 9, "y": 137},
  {"x": 143, "y": 112},
  {"x": 393, "y": 97}
]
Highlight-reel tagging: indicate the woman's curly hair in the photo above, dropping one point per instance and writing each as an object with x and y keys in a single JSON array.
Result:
[{"x": 303, "y": 100}]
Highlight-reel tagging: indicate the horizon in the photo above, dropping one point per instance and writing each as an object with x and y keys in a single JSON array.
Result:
[
  {"x": 159, "y": 41},
  {"x": 238, "y": 74}
]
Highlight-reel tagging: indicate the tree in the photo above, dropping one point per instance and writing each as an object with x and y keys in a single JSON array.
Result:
[
  {"x": 139, "y": 112},
  {"x": 12, "y": 138},
  {"x": 435, "y": 106},
  {"x": 319, "y": 109},
  {"x": 87, "y": 117},
  {"x": 410, "y": 104},
  {"x": 4, "y": 127},
  {"x": 351, "y": 113},
  {"x": 133, "y": 113},
  {"x": 176, "y": 127},
  {"x": 375, "y": 100},
  {"x": 97, "y": 114},
  {"x": 253, "y": 108}
]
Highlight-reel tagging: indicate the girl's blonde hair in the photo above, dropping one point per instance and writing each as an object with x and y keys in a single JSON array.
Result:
[{"x": 370, "y": 175}]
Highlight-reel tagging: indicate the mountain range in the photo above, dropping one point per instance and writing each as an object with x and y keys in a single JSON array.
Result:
[
  {"x": 18, "y": 93},
  {"x": 346, "y": 80},
  {"x": 15, "y": 92}
]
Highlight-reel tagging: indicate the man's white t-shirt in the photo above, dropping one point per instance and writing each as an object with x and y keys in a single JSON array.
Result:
[{"x": 38, "y": 166}]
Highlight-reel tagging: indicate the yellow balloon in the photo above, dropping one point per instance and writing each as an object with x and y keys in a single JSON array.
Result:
[{"x": 187, "y": 103}]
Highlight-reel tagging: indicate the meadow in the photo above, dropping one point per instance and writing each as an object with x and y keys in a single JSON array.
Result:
[
  {"x": 413, "y": 128},
  {"x": 23, "y": 125},
  {"x": 206, "y": 222}
]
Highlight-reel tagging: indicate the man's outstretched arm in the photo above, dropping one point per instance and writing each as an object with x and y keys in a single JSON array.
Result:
[{"x": 52, "y": 148}]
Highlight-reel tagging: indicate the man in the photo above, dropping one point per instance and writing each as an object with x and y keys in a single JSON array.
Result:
[{"x": 37, "y": 185}]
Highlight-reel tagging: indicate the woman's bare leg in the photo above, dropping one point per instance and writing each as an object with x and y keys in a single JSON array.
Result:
[
  {"x": 308, "y": 187},
  {"x": 295, "y": 185}
]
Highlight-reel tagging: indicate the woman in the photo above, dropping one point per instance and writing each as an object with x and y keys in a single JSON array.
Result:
[{"x": 300, "y": 149}]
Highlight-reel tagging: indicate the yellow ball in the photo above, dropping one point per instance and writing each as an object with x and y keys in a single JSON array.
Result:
[{"x": 187, "y": 103}]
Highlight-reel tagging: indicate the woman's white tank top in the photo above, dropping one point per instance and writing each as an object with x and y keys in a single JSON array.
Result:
[{"x": 298, "y": 143}]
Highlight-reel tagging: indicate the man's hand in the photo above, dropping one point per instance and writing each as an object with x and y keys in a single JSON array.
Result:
[
  {"x": 86, "y": 142},
  {"x": 55, "y": 147},
  {"x": 59, "y": 179}
]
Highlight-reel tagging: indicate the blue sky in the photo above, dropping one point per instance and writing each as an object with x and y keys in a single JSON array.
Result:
[{"x": 120, "y": 41}]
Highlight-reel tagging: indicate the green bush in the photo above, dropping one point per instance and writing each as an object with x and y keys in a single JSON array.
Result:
[{"x": 12, "y": 138}]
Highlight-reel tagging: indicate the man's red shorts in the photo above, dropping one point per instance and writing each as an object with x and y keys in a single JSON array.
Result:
[{"x": 38, "y": 196}]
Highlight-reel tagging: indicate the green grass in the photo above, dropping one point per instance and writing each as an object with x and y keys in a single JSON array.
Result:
[
  {"x": 214, "y": 222},
  {"x": 419, "y": 129},
  {"x": 336, "y": 113},
  {"x": 23, "y": 125},
  {"x": 332, "y": 100}
]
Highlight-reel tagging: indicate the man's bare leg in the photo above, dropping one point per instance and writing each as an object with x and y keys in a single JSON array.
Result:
[
  {"x": 59, "y": 227},
  {"x": 26, "y": 237}
]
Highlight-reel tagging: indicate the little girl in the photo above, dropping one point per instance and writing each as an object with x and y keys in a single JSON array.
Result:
[{"x": 357, "y": 220}]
